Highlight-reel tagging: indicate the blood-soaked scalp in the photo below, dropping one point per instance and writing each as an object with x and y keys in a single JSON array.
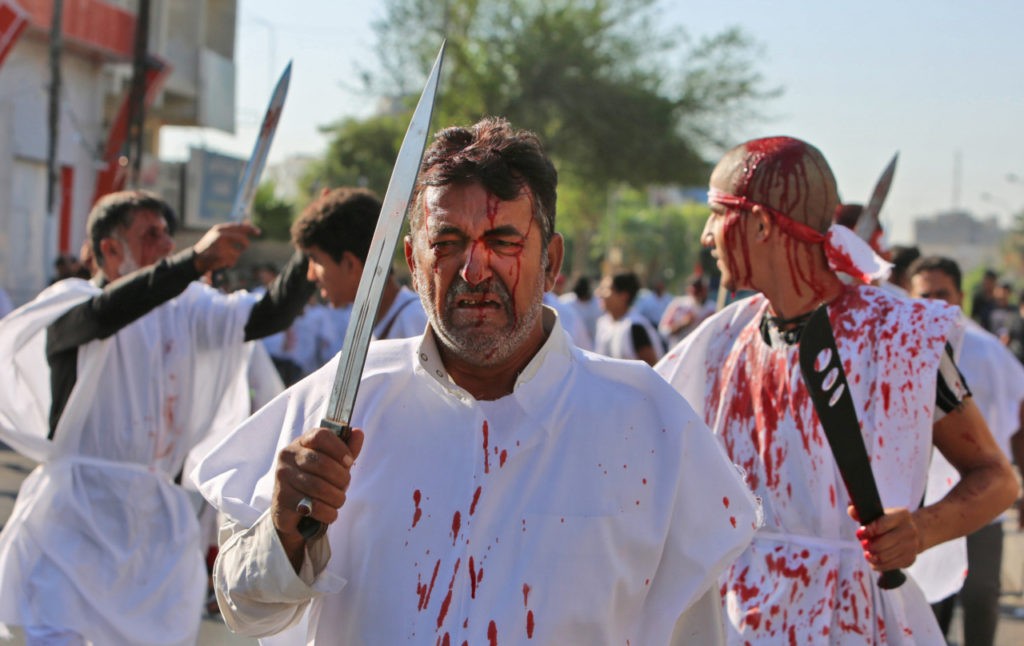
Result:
[
  {"x": 502, "y": 159},
  {"x": 784, "y": 173}
]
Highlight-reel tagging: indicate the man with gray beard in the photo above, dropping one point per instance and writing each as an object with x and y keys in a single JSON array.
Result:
[{"x": 482, "y": 452}]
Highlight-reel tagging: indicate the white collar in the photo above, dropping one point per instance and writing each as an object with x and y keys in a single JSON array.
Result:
[{"x": 555, "y": 352}]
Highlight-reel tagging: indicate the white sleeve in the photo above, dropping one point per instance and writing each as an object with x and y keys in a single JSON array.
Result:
[{"x": 257, "y": 589}]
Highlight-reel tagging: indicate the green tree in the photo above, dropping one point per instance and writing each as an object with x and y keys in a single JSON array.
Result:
[
  {"x": 659, "y": 242},
  {"x": 271, "y": 214},
  {"x": 1012, "y": 250},
  {"x": 619, "y": 97},
  {"x": 361, "y": 153}
]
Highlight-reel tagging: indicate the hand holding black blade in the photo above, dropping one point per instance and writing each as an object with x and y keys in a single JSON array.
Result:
[{"x": 830, "y": 393}]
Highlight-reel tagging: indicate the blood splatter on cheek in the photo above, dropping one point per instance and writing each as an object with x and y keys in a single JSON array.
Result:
[{"x": 734, "y": 233}]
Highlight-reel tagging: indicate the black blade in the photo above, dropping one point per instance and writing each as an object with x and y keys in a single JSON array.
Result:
[{"x": 825, "y": 378}]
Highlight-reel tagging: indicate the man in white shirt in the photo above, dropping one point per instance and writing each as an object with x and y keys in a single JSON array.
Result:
[
  {"x": 582, "y": 299},
  {"x": 996, "y": 379},
  {"x": 336, "y": 230},
  {"x": 111, "y": 384},
  {"x": 622, "y": 332},
  {"x": 684, "y": 313},
  {"x": 489, "y": 500}
]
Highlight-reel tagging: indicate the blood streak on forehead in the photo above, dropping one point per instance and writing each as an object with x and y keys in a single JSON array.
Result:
[{"x": 433, "y": 211}]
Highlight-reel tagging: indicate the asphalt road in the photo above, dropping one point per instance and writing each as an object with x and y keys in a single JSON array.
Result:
[{"x": 14, "y": 468}]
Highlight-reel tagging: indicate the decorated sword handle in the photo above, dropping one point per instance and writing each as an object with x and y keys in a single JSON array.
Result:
[{"x": 310, "y": 528}]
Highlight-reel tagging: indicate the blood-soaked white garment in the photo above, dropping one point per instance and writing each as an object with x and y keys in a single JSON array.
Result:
[
  {"x": 804, "y": 579},
  {"x": 101, "y": 541},
  {"x": 540, "y": 516}
]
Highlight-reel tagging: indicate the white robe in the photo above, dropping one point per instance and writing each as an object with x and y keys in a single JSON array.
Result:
[
  {"x": 614, "y": 338},
  {"x": 590, "y": 506},
  {"x": 101, "y": 541},
  {"x": 804, "y": 578},
  {"x": 996, "y": 380}
]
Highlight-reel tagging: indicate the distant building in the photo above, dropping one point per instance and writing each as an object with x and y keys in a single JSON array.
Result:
[
  {"x": 190, "y": 82},
  {"x": 959, "y": 235}
]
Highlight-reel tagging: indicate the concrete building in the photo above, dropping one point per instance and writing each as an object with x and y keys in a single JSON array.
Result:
[
  {"x": 191, "y": 81},
  {"x": 970, "y": 241}
]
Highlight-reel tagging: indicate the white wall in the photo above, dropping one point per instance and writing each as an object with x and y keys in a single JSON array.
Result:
[{"x": 27, "y": 246}]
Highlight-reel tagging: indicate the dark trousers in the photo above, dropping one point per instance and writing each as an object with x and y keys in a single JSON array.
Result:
[{"x": 979, "y": 597}]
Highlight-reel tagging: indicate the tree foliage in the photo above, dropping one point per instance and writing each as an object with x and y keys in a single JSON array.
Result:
[
  {"x": 271, "y": 214},
  {"x": 1013, "y": 247},
  {"x": 361, "y": 153},
  {"x": 660, "y": 242},
  {"x": 618, "y": 96}
]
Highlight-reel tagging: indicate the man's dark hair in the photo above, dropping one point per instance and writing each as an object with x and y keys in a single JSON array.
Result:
[
  {"x": 340, "y": 220},
  {"x": 848, "y": 214},
  {"x": 946, "y": 265},
  {"x": 627, "y": 282},
  {"x": 582, "y": 288},
  {"x": 115, "y": 211},
  {"x": 698, "y": 282},
  {"x": 902, "y": 257},
  {"x": 502, "y": 159}
]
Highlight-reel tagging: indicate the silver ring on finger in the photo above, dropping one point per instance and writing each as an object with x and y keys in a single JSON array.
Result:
[{"x": 305, "y": 506}]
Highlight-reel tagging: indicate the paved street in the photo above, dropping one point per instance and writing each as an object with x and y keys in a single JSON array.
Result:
[{"x": 14, "y": 468}]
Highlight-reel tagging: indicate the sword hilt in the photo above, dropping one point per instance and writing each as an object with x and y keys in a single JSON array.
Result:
[
  {"x": 311, "y": 528},
  {"x": 890, "y": 579}
]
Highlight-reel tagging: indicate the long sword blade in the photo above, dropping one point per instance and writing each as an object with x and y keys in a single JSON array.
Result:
[
  {"x": 258, "y": 159},
  {"x": 867, "y": 224},
  {"x": 382, "y": 248}
]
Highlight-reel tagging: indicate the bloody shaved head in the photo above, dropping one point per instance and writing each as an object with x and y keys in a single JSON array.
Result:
[{"x": 786, "y": 174}]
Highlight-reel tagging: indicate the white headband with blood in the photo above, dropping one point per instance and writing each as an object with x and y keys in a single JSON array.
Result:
[{"x": 845, "y": 251}]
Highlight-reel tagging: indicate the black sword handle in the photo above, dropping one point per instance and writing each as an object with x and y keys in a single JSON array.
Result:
[
  {"x": 310, "y": 528},
  {"x": 830, "y": 394}
]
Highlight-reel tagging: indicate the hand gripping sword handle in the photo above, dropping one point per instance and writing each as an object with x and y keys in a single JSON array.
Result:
[{"x": 310, "y": 528}]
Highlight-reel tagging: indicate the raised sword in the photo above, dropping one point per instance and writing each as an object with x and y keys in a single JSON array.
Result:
[
  {"x": 338, "y": 414},
  {"x": 867, "y": 226},
  {"x": 258, "y": 159}
]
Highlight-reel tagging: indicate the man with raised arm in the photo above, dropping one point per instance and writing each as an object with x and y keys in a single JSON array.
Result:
[
  {"x": 810, "y": 574},
  {"x": 114, "y": 382},
  {"x": 482, "y": 498}
]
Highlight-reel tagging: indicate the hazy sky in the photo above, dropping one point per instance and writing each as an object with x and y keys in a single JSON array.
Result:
[{"x": 938, "y": 81}]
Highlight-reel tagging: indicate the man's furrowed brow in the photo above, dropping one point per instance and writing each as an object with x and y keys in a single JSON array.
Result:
[
  {"x": 445, "y": 230},
  {"x": 504, "y": 230}
]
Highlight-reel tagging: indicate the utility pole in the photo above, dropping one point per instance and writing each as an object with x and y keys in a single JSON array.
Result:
[
  {"x": 137, "y": 98},
  {"x": 53, "y": 121}
]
